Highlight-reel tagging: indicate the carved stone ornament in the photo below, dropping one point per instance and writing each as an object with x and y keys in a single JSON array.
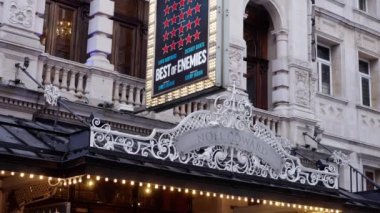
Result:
[
  {"x": 22, "y": 15},
  {"x": 340, "y": 158},
  {"x": 229, "y": 114},
  {"x": 51, "y": 94},
  {"x": 302, "y": 88},
  {"x": 235, "y": 63}
]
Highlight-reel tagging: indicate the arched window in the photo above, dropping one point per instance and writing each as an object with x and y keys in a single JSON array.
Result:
[{"x": 256, "y": 30}]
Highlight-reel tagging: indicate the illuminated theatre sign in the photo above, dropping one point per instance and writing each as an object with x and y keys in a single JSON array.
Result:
[{"x": 181, "y": 50}]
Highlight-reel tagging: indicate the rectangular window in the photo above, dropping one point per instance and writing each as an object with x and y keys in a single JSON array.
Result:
[
  {"x": 324, "y": 69},
  {"x": 65, "y": 29},
  {"x": 371, "y": 175},
  {"x": 365, "y": 82},
  {"x": 362, "y": 5}
]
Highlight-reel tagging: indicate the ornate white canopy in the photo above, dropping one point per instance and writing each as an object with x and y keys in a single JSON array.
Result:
[{"x": 229, "y": 116}]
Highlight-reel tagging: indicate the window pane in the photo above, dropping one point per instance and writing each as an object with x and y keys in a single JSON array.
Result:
[
  {"x": 323, "y": 53},
  {"x": 64, "y": 35},
  {"x": 363, "y": 5},
  {"x": 325, "y": 79},
  {"x": 125, "y": 50},
  {"x": 370, "y": 175},
  {"x": 365, "y": 92},
  {"x": 363, "y": 67}
]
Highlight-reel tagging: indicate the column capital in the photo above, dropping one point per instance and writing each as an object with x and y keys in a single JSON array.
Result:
[{"x": 281, "y": 34}]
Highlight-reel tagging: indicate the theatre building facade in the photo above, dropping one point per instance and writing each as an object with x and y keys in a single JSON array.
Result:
[{"x": 189, "y": 106}]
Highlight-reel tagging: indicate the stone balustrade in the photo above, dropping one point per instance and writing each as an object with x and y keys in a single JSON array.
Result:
[
  {"x": 129, "y": 91},
  {"x": 70, "y": 77},
  {"x": 185, "y": 109},
  {"x": 271, "y": 120},
  {"x": 74, "y": 81}
]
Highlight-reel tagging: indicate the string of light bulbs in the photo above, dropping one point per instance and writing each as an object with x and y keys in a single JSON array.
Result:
[{"x": 91, "y": 180}]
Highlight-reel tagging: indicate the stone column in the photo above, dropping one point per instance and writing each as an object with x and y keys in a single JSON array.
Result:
[
  {"x": 21, "y": 24},
  {"x": 99, "y": 44},
  {"x": 280, "y": 77}
]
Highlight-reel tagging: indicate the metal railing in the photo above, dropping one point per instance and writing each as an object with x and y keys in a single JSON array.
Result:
[{"x": 358, "y": 181}]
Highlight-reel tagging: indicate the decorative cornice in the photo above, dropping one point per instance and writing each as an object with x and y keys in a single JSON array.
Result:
[{"x": 321, "y": 12}]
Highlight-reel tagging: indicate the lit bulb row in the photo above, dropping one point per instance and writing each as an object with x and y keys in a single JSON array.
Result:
[
  {"x": 52, "y": 180},
  {"x": 149, "y": 186}
]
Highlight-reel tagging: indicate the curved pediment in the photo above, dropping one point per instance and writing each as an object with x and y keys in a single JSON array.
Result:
[{"x": 224, "y": 138}]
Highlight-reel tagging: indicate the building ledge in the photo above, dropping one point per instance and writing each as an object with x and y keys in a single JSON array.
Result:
[{"x": 332, "y": 98}]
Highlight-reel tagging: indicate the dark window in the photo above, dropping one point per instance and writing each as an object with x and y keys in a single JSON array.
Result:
[
  {"x": 365, "y": 82},
  {"x": 362, "y": 5},
  {"x": 370, "y": 175},
  {"x": 256, "y": 30},
  {"x": 323, "y": 53},
  {"x": 65, "y": 29},
  {"x": 325, "y": 79},
  {"x": 130, "y": 37},
  {"x": 363, "y": 67},
  {"x": 366, "y": 92},
  {"x": 324, "y": 69}
]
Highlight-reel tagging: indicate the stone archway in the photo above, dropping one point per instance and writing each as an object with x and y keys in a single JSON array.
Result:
[{"x": 276, "y": 80}]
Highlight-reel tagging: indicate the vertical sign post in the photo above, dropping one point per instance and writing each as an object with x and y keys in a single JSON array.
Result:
[{"x": 182, "y": 51}]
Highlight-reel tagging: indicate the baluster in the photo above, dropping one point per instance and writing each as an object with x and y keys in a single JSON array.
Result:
[
  {"x": 273, "y": 126},
  {"x": 196, "y": 106},
  {"x": 64, "y": 79},
  {"x": 123, "y": 98},
  {"x": 188, "y": 110},
  {"x": 72, "y": 82},
  {"x": 138, "y": 96},
  {"x": 143, "y": 97},
  {"x": 48, "y": 74},
  {"x": 183, "y": 110},
  {"x": 116, "y": 94},
  {"x": 86, "y": 82},
  {"x": 56, "y": 76},
  {"x": 131, "y": 94},
  {"x": 176, "y": 110},
  {"x": 80, "y": 83}
]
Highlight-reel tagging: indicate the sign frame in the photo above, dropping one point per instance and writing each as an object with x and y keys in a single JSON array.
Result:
[{"x": 207, "y": 85}]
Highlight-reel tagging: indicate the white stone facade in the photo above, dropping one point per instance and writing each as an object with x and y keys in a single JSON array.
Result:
[{"x": 296, "y": 105}]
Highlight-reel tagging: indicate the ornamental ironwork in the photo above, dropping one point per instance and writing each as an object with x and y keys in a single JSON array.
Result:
[
  {"x": 52, "y": 94},
  {"x": 231, "y": 111}
]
